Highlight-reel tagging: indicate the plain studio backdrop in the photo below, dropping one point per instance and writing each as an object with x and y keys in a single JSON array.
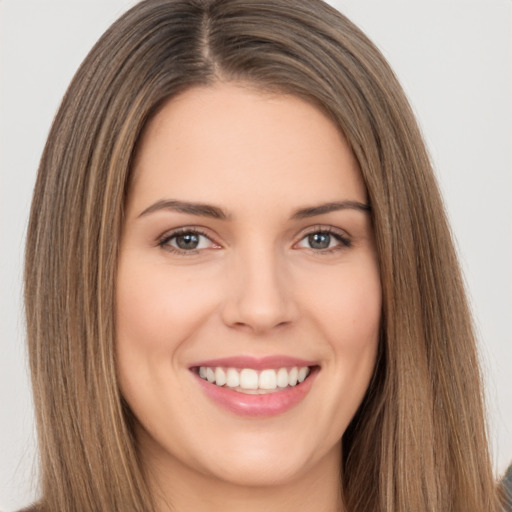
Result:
[{"x": 454, "y": 59}]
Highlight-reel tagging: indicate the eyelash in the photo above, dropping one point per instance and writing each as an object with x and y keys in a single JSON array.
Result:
[
  {"x": 343, "y": 239},
  {"x": 164, "y": 241}
]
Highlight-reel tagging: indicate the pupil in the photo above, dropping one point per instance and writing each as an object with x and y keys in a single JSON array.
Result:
[
  {"x": 187, "y": 241},
  {"x": 319, "y": 240}
]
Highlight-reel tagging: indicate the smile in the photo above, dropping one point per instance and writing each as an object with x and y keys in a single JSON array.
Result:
[
  {"x": 251, "y": 381},
  {"x": 256, "y": 387}
]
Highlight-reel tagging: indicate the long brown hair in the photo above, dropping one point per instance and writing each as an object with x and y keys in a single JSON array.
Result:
[{"x": 418, "y": 441}]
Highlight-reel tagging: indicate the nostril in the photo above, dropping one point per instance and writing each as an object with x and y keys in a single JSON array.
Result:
[{"x": 258, "y": 318}]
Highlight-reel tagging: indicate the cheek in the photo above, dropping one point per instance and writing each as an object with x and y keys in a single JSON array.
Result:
[
  {"x": 155, "y": 305},
  {"x": 158, "y": 311},
  {"x": 351, "y": 321},
  {"x": 347, "y": 306}
]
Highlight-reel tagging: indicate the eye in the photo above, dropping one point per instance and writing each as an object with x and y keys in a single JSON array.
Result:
[
  {"x": 186, "y": 240},
  {"x": 324, "y": 240}
]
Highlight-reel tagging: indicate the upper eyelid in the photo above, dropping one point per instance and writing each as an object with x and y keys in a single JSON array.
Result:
[
  {"x": 167, "y": 236},
  {"x": 344, "y": 238},
  {"x": 185, "y": 229},
  {"x": 322, "y": 228},
  {"x": 200, "y": 230}
]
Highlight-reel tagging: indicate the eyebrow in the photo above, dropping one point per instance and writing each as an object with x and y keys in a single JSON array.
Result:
[
  {"x": 321, "y": 209},
  {"x": 208, "y": 210},
  {"x": 203, "y": 210}
]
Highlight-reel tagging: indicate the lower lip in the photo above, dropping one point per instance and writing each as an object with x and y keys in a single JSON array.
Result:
[{"x": 269, "y": 404}]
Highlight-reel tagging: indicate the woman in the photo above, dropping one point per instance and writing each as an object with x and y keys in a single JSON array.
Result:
[{"x": 241, "y": 290}]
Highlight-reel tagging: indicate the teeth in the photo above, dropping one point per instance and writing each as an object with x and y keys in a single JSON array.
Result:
[
  {"x": 303, "y": 373},
  {"x": 292, "y": 376},
  {"x": 268, "y": 379},
  {"x": 248, "y": 380},
  {"x": 220, "y": 377},
  {"x": 232, "y": 378},
  {"x": 282, "y": 378}
]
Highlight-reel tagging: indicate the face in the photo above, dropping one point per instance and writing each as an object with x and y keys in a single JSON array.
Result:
[{"x": 248, "y": 291}]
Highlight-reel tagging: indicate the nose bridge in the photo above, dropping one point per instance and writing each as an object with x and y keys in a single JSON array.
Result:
[{"x": 260, "y": 295}]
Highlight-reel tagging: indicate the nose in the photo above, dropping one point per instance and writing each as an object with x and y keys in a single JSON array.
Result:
[{"x": 259, "y": 295}]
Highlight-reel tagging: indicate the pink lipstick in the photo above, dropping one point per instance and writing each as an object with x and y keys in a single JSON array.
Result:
[{"x": 256, "y": 387}]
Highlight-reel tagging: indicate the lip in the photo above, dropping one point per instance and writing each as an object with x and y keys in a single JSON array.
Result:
[
  {"x": 256, "y": 363},
  {"x": 257, "y": 406}
]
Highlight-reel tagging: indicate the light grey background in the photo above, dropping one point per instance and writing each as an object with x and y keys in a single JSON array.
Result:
[{"x": 454, "y": 58}]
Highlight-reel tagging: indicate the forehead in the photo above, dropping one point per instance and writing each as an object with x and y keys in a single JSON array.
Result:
[{"x": 238, "y": 146}]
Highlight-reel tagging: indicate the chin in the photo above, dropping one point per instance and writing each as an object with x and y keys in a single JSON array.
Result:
[{"x": 261, "y": 469}]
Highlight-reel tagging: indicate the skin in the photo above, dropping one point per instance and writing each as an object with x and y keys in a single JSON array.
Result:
[{"x": 254, "y": 287}]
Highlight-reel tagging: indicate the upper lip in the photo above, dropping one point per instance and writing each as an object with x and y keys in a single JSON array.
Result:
[{"x": 256, "y": 363}]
